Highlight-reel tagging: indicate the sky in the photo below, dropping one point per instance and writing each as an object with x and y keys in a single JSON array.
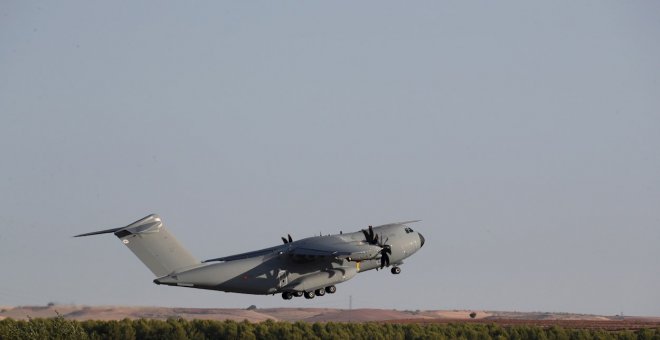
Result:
[{"x": 524, "y": 135}]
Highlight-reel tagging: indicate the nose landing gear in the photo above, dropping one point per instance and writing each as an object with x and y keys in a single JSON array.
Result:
[{"x": 395, "y": 270}]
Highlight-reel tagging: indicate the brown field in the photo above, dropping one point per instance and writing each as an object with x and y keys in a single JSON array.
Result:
[
  {"x": 610, "y": 325},
  {"x": 566, "y": 320}
]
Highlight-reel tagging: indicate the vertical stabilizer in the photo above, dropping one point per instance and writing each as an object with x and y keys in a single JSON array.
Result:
[{"x": 153, "y": 244}]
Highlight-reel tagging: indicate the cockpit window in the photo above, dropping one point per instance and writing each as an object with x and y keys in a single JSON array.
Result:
[{"x": 408, "y": 230}]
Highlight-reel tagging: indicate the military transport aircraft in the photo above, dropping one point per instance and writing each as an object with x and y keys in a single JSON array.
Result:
[{"x": 309, "y": 267}]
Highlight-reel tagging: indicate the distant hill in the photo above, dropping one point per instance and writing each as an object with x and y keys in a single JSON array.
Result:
[{"x": 76, "y": 312}]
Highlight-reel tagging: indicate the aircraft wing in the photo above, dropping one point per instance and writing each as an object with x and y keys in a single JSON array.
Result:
[
  {"x": 327, "y": 246},
  {"x": 355, "y": 250},
  {"x": 399, "y": 223},
  {"x": 246, "y": 255}
]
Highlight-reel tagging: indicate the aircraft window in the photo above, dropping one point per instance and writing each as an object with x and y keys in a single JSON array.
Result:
[{"x": 408, "y": 230}]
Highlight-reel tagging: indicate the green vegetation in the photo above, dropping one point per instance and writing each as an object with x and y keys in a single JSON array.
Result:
[{"x": 60, "y": 328}]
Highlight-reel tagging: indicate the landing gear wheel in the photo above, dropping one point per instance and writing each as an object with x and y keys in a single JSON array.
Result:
[
  {"x": 287, "y": 296},
  {"x": 309, "y": 295},
  {"x": 320, "y": 292},
  {"x": 396, "y": 270},
  {"x": 330, "y": 289},
  {"x": 298, "y": 294}
]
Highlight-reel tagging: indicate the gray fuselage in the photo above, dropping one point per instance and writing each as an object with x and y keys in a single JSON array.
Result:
[{"x": 273, "y": 270}]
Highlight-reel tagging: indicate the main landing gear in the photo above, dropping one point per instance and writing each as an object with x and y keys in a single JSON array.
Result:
[{"x": 310, "y": 294}]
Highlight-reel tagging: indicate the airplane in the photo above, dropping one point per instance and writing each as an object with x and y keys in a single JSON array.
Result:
[{"x": 311, "y": 266}]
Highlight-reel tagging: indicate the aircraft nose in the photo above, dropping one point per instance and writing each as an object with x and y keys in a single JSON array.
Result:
[{"x": 421, "y": 238}]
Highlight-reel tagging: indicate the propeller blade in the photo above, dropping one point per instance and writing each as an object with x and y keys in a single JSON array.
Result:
[
  {"x": 290, "y": 239},
  {"x": 371, "y": 235},
  {"x": 366, "y": 235},
  {"x": 384, "y": 260},
  {"x": 284, "y": 240},
  {"x": 384, "y": 257}
]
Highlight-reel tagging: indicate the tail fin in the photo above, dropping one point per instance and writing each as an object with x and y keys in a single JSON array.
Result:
[{"x": 148, "y": 239}]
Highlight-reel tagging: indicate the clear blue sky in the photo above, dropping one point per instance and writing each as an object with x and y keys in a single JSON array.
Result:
[{"x": 525, "y": 135}]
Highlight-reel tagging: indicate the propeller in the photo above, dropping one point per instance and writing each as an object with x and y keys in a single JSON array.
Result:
[
  {"x": 386, "y": 249},
  {"x": 287, "y": 241},
  {"x": 369, "y": 236},
  {"x": 385, "y": 252}
]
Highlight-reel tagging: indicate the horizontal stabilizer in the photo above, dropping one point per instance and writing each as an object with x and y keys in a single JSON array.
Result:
[
  {"x": 134, "y": 228},
  {"x": 107, "y": 231}
]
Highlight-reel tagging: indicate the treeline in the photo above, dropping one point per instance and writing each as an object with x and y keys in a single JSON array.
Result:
[{"x": 60, "y": 328}]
